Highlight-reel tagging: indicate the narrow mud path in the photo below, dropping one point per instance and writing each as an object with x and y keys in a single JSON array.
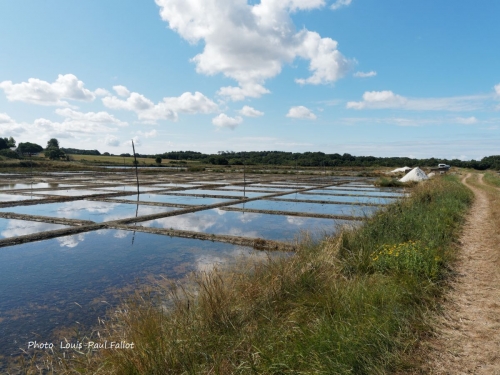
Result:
[{"x": 467, "y": 337}]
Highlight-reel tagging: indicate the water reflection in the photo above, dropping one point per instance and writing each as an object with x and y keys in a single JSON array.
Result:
[
  {"x": 13, "y": 228},
  {"x": 15, "y": 198},
  {"x": 52, "y": 284},
  {"x": 313, "y": 208},
  {"x": 244, "y": 224},
  {"x": 88, "y": 210}
]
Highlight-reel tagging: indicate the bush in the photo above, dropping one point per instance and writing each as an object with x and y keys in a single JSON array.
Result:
[
  {"x": 9, "y": 154},
  {"x": 388, "y": 182}
]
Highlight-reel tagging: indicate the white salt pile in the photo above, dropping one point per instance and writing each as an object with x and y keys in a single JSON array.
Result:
[
  {"x": 416, "y": 174},
  {"x": 403, "y": 169}
]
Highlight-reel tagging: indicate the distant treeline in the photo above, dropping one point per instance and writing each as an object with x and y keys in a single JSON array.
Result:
[
  {"x": 307, "y": 159},
  {"x": 76, "y": 151},
  {"x": 319, "y": 159}
]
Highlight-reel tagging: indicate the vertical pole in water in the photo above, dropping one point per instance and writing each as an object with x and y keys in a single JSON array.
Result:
[
  {"x": 296, "y": 177},
  {"x": 136, "y": 173},
  {"x": 244, "y": 179}
]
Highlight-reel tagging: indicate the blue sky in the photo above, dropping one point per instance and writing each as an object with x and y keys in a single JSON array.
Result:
[{"x": 383, "y": 78}]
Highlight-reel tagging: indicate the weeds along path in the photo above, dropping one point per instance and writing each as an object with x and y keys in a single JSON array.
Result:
[{"x": 468, "y": 335}]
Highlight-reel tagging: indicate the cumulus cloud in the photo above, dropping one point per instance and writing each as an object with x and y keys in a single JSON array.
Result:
[
  {"x": 497, "y": 89},
  {"x": 66, "y": 87},
  {"x": 250, "y": 112},
  {"x": 74, "y": 125},
  {"x": 251, "y": 43},
  {"x": 137, "y": 142},
  {"x": 121, "y": 90},
  {"x": 365, "y": 74},
  {"x": 340, "y": 3},
  {"x": 112, "y": 141},
  {"x": 5, "y": 119},
  {"x": 167, "y": 109},
  {"x": 224, "y": 121},
  {"x": 90, "y": 117},
  {"x": 378, "y": 99},
  {"x": 390, "y": 100},
  {"x": 252, "y": 90},
  {"x": 301, "y": 112}
]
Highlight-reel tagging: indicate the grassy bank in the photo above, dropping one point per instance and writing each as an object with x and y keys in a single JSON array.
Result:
[
  {"x": 492, "y": 178},
  {"x": 354, "y": 303}
]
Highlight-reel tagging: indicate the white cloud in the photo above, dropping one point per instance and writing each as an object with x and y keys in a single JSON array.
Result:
[
  {"x": 251, "y": 43},
  {"x": 247, "y": 90},
  {"x": 250, "y": 112},
  {"x": 75, "y": 125},
  {"x": 389, "y": 100},
  {"x": 102, "y": 92},
  {"x": 167, "y": 109},
  {"x": 137, "y": 142},
  {"x": 378, "y": 99},
  {"x": 497, "y": 89},
  {"x": 466, "y": 121},
  {"x": 224, "y": 121},
  {"x": 371, "y": 73},
  {"x": 121, "y": 90},
  {"x": 340, "y": 3},
  {"x": 90, "y": 117},
  {"x": 191, "y": 103},
  {"x": 149, "y": 134},
  {"x": 301, "y": 112},
  {"x": 112, "y": 141},
  {"x": 66, "y": 87},
  {"x": 5, "y": 119}
]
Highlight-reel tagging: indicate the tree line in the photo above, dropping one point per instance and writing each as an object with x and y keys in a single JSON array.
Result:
[{"x": 271, "y": 158}]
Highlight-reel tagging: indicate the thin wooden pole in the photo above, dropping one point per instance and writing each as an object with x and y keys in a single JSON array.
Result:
[
  {"x": 136, "y": 172},
  {"x": 244, "y": 179}
]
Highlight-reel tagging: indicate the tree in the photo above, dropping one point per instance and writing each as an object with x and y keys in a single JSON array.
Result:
[
  {"x": 11, "y": 142},
  {"x": 29, "y": 148},
  {"x": 53, "y": 152},
  {"x": 3, "y": 144},
  {"x": 53, "y": 142},
  {"x": 158, "y": 160}
]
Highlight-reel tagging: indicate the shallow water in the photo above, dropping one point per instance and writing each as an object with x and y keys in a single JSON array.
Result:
[
  {"x": 51, "y": 285},
  {"x": 14, "y": 228},
  {"x": 236, "y": 194},
  {"x": 71, "y": 192},
  {"x": 337, "y": 198},
  {"x": 356, "y": 192},
  {"x": 175, "y": 199},
  {"x": 318, "y": 208},
  {"x": 128, "y": 188},
  {"x": 252, "y": 187},
  {"x": 15, "y": 198},
  {"x": 88, "y": 210},
  {"x": 39, "y": 185},
  {"x": 246, "y": 224}
]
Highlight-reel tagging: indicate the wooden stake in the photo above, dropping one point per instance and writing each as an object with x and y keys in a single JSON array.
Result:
[{"x": 136, "y": 172}]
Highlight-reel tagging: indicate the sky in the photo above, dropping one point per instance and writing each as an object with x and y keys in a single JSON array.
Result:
[{"x": 366, "y": 77}]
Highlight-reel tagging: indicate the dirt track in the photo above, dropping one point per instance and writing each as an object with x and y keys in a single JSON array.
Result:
[{"x": 468, "y": 334}]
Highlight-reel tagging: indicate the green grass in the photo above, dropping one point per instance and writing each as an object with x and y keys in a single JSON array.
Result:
[
  {"x": 492, "y": 178},
  {"x": 346, "y": 305},
  {"x": 388, "y": 182}
]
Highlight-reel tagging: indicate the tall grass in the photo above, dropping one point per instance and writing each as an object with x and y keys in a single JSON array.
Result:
[
  {"x": 346, "y": 305},
  {"x": 492, "y": 178}
]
